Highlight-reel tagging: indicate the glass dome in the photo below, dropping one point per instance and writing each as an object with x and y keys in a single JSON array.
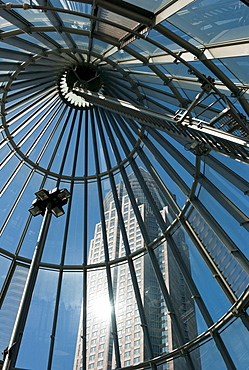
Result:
[{"x": 129, "y": 119}]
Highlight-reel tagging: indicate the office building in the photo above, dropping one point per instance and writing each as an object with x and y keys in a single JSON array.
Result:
[{"x": 131, "y": 338}]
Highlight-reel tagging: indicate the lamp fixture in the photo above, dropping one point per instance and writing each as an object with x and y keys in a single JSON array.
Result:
[{"x": 52, "y": 199}]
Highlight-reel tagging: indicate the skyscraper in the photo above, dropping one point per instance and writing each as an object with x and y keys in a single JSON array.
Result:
[{"x": 131, "y": 336}]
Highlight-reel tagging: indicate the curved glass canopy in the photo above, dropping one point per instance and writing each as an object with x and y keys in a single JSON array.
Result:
[{"x": 139, "y": 109}]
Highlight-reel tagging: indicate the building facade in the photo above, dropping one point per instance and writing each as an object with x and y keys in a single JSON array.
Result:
[{"x": 133, "y": 348}]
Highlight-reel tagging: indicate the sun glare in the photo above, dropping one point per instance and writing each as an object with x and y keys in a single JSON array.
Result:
[{"x": 102, "y": 308}]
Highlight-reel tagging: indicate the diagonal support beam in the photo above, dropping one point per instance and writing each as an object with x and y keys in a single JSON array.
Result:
[{"x": 194, "y": 131}]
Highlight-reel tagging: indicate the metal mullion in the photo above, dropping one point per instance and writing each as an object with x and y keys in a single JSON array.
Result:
[
  {"x": 159, "y": 105},
  {"x": 228, "y": 174},
  {"x": 113, "y": 186},
  {"x": 199, "y": 301},
  {"x": 121, "y": 81},
  {"x": 156, "y": 91},
  {"x": 60, "y": 136},
  {"x": 124, "y": 74},
  {"x": 167, "y": 167},
  {"x": 44, "y": 39},
  {"x": 7, "y": 281},
  {"x": 92, "y": 27},
  {"x": 150, "y": 168},
  {"x": 39, "y": 81},
  {"x": 66, "y": 146},
  {"x": 22, "y": 44},
  {"x": 161, "y": 159},
  {"x": 56, "y": 21},
  {"x": 27, "y": 154},
  {"x": 209, "y": 262},
  {"x": 222, "y": 235},
  {"x": 64, "y": 245},
  {"x": 14, "y": 18},
  {"x": 10, "y": 179},
  {"x": 158, "y": 73},
  {"x": 154, "y": 263},
  {"x": 23, "y": 93},
  {"x": 208, "y": 63},
  {"x": 225, "y": 202},
  {"x": 25, "y": 110},
  {"x": 14, "y": 55},
  {"x": 16, "y": 202},
  {"x": 7, "y": 158},
  {"x": 112, "y": 85},
  {"x": 55, "y": 67},
  {"x": 34, "y": 127},
  {"x": 105, "y": 243},
  {"x": 125, "y": 178},
  {"x": 58, "y": 105},
  {"x": 85, "y": 237},
  {"x": 44, "y": 147},
  {"x": 185, "y": 163},
  {"x": 31, "y": 76},
  {"x": 119, "y": 93},
  {"x": 10, "y": 155},
  {"x": 38, "y": 94},
  {"x": 8, "y": 66},
  {"x": 38, "y": 123}
]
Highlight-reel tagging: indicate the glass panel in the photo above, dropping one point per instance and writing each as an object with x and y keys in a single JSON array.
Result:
[
  {"x": 13, "y": 230},
  {"x": 213, "y": 21},
  {"x": 35, "y": 17},
  {"x": 53, "y": 248},
  {"x": 74, "y": 237},
  {"x": 68, "y": 321},
  {"x": 237, "y": 233},
  {"x": 11, "y": 304},
  {"x": 81, "y": 41},
  {"x": 152, "y": 6},
  {"x": 239, "y": 66},
  {"x": 100, "y": 46},
  {"x": 75, "y": 21},
  {"x": 99, "y": 337},
  {"x": 210, "y": 357},
  {"x": 178, "y": 32},
  {"x": 37, "y": 333},
  {"x": 236, "y": 166},
  {"x": 7, "y": 26},
  {"x": 208, "y": 287},
  {"x": 236, "y": 337},
  {"x": 228, "y": 189},
  {"x": 4, "y": 267}
]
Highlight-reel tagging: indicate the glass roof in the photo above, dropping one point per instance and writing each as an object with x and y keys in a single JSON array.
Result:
[{"x": 139, "y": 109}]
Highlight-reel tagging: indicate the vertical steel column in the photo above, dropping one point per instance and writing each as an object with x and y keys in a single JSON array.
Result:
[
  {"x": 85, "y": 234},
  {"x": 187, "y": 277},
  {"x": 15, "y": 341},
  {"x": 200, "y": 303},
  {"x": 127, "y": 247},
  {"x": 105, "y": 242},
  {"x": 154, "y": 261},
  {"x": 58, "y": 294}
]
